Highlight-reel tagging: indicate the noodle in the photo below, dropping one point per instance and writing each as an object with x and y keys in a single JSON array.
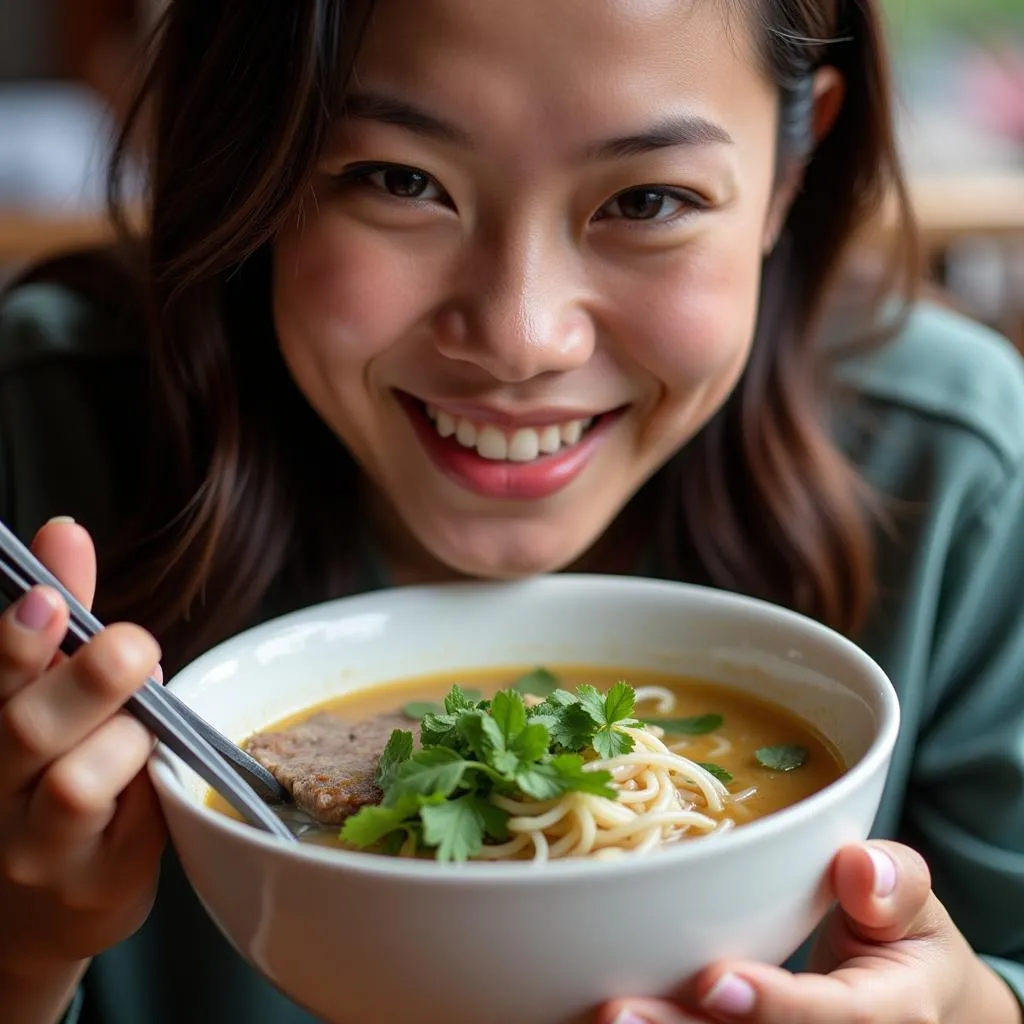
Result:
[
  {"x": 662, "y": 797},
  {"x": 664, "y": 699}
]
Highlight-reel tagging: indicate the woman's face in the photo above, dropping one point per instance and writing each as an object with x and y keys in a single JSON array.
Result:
[{"x": 530, "y": 270}]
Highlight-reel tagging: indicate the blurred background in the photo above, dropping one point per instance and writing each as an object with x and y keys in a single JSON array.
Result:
[{"x": 67, "y": 69}]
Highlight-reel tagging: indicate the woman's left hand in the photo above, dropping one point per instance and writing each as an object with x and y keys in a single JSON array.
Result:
[{"x": 888, "y": 953}]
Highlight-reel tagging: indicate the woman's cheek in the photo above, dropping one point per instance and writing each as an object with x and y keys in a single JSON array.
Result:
[
  {"x": 348, "y": 291},
  {"x": 693, "y": 327}
]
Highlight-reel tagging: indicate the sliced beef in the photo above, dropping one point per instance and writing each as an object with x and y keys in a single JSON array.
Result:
[{"x": 328, "y": 764}]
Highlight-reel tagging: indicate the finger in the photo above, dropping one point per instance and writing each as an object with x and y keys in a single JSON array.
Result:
[
  {"x": 645, "y": 1011},
  {"x": 120, "y": 881},
  {"x": 77, "y": 796},
  {"x": 884, "y": 891},
  {"x": 30, "y": 631},
  {"x": 133, "y": 844},
  {"x": 76, "y": 799},
  {"x": 66, "y": 549},
  {"x": 881, "y": 992},
  {"x": 42, "y": 722}
]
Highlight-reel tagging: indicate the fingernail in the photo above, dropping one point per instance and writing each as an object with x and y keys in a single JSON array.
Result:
[
  {"x": 732, "y": 996},
  {"x": 60, "y": 519},
  {"x": 885, "y": 871},
  {"x": 629, "y": 1017},
  {"x": 36, "y": 609}
]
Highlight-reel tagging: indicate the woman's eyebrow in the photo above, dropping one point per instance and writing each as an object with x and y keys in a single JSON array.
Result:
[
  {"x": 688, "y": 130},
  {"x": 378, "y": 106}
]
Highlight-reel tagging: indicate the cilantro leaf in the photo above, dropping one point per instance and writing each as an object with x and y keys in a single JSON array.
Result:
[
  {"x": 592, "y": 702},
  {"x": 783, "y": 758},
  {"x": 576, "y": 779},
  {"x": 434, "y": 770},
  {"x": 482, "y": 733},
  {"x": 439, "y": 730},
  {"x": 458, "y": 700},
  {"x": 540, "y": 781},
  {"x": 531, "y": 742},
  {"x": 570, "y": 727},
  {"x": 555, "y": 699},
  {"x": 486, "y": 742},
  {"x": 456, "y": 827},
  {"x": 394, "y": 841},
  {"x": 537, "y": 683},
  {"x": 509, "y": 712},
  {"x": 369, "y": 825},
  {"x": 440, "y": 727},
  {"x": 611, "y": 742},
  {"x": 505, "y": 762},
  {"x": 720, "y": 773},
  {"x": 607, "y": 711},
  {"x": 495, "y": 821},
  {"x": 699, "y": 725},
  {"x": 618, "y": 703},
  {"x": 398, "y": 749}
]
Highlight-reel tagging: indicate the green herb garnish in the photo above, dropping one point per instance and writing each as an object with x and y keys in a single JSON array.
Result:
[
  {"x": 438, "y": 797},
  {"x": 784, "y": 758},
  {"x": 537, "y": 683},
  {"x": 699, "y": 725},
  {"x": 419, "y": 709},
  {"x": 398, "y": 749},
  {"x": 720, "y": 773},
  {"x": 616, "y": 708}
]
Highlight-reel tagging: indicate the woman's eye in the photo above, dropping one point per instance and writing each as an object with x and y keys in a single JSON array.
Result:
[
  {"x": 401, "y": 182},
  {"x": 650, "y": 204}
]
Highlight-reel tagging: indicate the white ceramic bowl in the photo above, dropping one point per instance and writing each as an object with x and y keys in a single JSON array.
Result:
[{"x": 360, "y": 937}]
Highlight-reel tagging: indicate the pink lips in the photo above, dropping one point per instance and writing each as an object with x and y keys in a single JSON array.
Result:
[{"x": 500, "y": 480}]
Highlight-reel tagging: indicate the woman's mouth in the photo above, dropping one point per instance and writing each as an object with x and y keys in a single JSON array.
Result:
[
  {"x": 523, "y": 444},
  {"x": 507, "y": 461}
]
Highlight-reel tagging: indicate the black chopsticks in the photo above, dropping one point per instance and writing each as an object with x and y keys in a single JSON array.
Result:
[{"x": 236, "y": 776}]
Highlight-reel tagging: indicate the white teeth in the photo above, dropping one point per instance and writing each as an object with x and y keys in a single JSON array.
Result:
[
  {"x": 550, "y": 440},
  {"x": 445, "y": 423},
  {"x": 524, "y": 446},
  {"x": 491, "y": 444},
  {"x": 572, "y": 431},
  {"x": 465, "y": 434}
]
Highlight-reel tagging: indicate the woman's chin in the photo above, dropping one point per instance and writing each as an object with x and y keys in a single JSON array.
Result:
[{"x": 501, "y": 556}]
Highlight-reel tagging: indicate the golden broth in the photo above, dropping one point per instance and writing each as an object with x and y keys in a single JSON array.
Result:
[{"x": 749, "y": 723}]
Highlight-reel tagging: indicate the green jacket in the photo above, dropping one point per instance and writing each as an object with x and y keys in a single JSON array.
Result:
[{"x": 937, "y": 426}]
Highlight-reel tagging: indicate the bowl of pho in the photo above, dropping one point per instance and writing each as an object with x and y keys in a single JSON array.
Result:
[{"x": 522, "y": 799}]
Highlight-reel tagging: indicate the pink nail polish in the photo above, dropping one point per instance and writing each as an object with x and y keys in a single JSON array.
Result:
[
  {"x": 885, "y": 872},
  {"x": 35, "y": 610},
  {"x": 732, "y": 996}
]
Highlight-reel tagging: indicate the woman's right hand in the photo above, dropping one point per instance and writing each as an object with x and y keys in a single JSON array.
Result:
[{"x": 80, "y": 828}]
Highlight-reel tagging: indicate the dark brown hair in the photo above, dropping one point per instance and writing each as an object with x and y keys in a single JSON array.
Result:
[{"x": 251, "y": 489}]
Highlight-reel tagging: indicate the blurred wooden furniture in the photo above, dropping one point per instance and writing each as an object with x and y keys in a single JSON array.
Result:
[
  {"x": 952, "y": 208},
  {"x": 27, "y": 237}
]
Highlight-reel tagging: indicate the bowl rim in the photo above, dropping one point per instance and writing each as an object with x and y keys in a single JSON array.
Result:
[{"x": 166, "y": 770}]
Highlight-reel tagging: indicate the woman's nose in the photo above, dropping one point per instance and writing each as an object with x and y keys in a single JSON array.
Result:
[{"x": 522, "y": 314}]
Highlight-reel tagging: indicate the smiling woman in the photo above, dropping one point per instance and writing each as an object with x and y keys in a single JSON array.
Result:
[
  {"x": 445, "y": 288},
  {"x": 468, "y": 263}
]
